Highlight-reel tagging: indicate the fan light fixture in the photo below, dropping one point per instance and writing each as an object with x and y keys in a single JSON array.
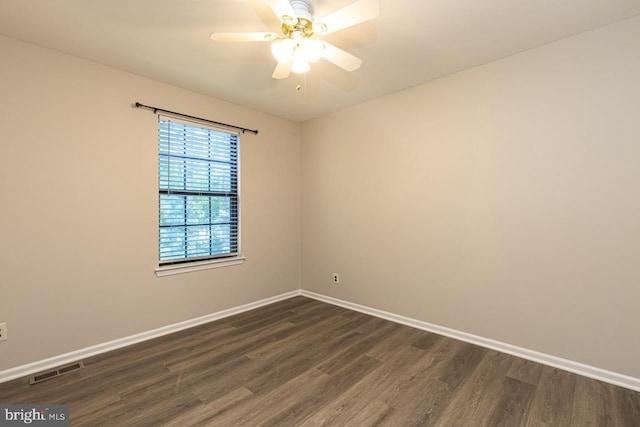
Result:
[
  {"x": 302, "y": 51},
  {"x": 296, "y": 48}
]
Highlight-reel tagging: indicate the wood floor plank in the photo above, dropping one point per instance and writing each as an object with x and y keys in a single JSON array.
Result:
[
  {"x": 342, "y": 354},
  {"x": 212, "y": 413},
  {"x": 427, "y": 369},
  {"x": 354, "y": 401},
  {"x": 475, "y": 401},
  {"x": 590, "y": 404},
  {"x": 328, "y": 327},
  {"x": 423, "y": 404},
  {"x": 553, "y": 400},
  {"x": 143, "y": 406},
  {"x": 282, "y": 370},
  {"x": 375, "y": 413},
  {"x": 225, "y": 349},
  {"x": 220, "y": 380},
  {"x": 342, "y": 380},
  {"x": 625, "y": 406},
  {"x": 260, "y": 374},
  {"x": 267, "y": 356},
  {"x": 302, "y": 362},
  {"x": 395, "y": 341},
  {"x": 267, "y": 311},
  {"x": 525, "y": 371},
  {"x": 461, "y": 364},
  {"x": 261, "y": 408},
  {"x": 511, "y": 403},
  {"x": 425, "y": 340},
  {"x": 315, "y": 311}
]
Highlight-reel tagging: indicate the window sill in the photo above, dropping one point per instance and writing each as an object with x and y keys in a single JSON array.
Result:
[{"x": 169, "y": 270}]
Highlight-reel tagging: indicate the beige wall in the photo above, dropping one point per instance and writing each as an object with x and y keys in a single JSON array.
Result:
[
  {"x": 78, "y": 220},
  {"x": 502, "y": 201}
]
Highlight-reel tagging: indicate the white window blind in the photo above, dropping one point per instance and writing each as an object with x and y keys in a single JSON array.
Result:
[{"x": 199, "y": 200}]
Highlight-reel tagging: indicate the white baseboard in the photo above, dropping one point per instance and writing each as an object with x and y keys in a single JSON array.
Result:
[
  {"x": 546, "y": 359},
  {"x": 63, "y": 359},
  {"x": 614, "y": 378}
]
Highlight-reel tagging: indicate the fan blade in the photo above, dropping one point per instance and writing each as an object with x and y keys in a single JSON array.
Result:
[
  {"x": 352, "y": 14},
  {"x": 282, "y": 71},
  {"x": 281, "y": 8},
  {"x": 341, "y": 58},
  {"x": 243, "y": 37}
]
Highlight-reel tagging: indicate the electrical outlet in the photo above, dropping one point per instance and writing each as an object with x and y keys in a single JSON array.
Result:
[
  {"x": 336, "y": 278},
  {"x": 3, "y": 331}
]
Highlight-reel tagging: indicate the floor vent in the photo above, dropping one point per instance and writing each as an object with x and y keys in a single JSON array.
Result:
[{"x": 43, "y": 376}]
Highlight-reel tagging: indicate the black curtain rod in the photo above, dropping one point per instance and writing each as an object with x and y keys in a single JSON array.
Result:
[{"x": 155, "y": 110}]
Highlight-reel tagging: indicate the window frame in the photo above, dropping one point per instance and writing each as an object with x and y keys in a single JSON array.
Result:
[{"x": 184, "y": 265}]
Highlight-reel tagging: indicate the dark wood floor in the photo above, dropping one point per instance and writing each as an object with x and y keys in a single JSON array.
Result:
[{"x": 301, "y": 362}]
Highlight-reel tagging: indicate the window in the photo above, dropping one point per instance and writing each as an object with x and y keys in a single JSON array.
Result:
[{"x": 198, "y": 191}]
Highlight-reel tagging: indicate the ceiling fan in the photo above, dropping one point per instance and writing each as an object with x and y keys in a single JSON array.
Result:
[{"x": 298, "y": 45}]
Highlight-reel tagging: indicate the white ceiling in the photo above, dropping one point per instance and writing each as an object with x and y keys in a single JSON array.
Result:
[{"x": 413, "y": 41}]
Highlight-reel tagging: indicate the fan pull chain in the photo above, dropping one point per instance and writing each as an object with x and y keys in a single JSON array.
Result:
[{"x": 305, "y": 87}]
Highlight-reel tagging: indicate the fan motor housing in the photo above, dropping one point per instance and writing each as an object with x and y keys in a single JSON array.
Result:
[
  {"x": 303, "y": 9},
  {"x": 302, "y": 25}
]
